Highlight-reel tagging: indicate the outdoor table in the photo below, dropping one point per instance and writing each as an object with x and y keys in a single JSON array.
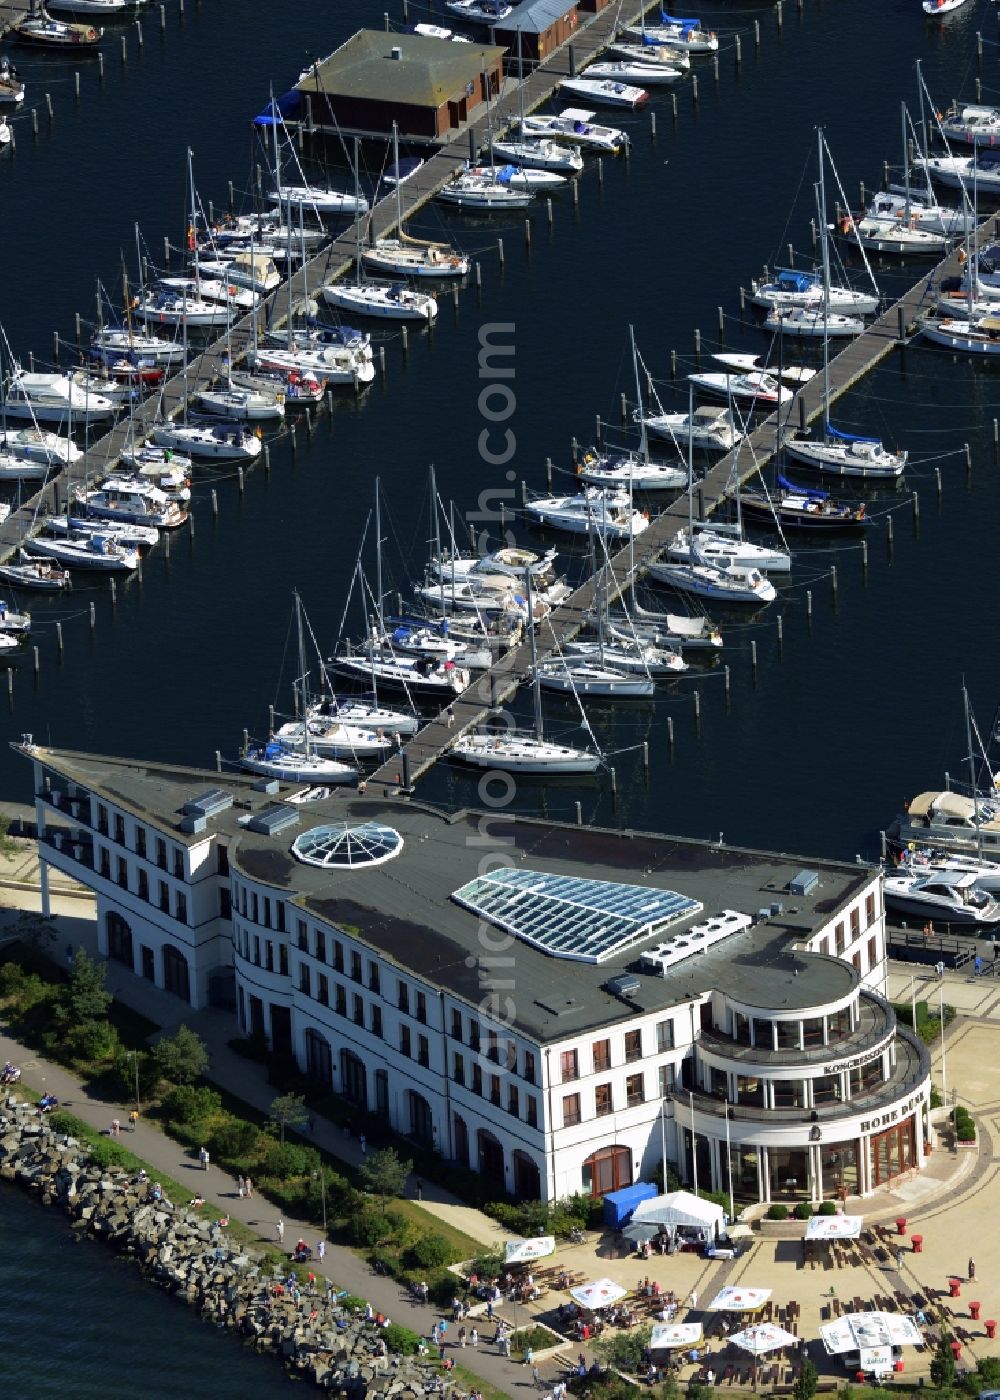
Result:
[
  {"x": 901, "y": 1225},
  {"x": 898, "y": 1366},
  {"x": 918, "y": 1244},
  {"x": 955, "y": 1284},
  {"x": 974, "y": 1311},
  {"x": 956, "y": 1349},
  {"x": 991, "y": 1328}
]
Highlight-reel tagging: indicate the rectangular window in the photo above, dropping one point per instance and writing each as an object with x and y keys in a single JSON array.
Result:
[
  {"x": 140, "y": 841},
  {"x": 664, "y": 1036},
  {"x": 458, "y": 1069},
  {"x": 633, "y": 1046},
  {"x": 495, "y": 1089},
  {"x": 339, "y": 999},
  {"x": 225, "y": 904},
  {"x": 666, "y": 1080},
  {"x": 869, "y": 911},
  {"x": 571, "y": 1110},
  {"x": 423, "y": 1052},
  {"x": 635, "y": 1090},
  {"x": 253, "y": 908},
  {"x": 178, "y": 863},
  {"x": 359, "y": 1011},
  {"x": 269, "y": 955},
  {"x": 161, "y": 856},
  {"x": 102, "y": 820},
  {"x": 256, "y": 949},
  {"x": 356, "y": 967},
  {"x": 404, "y": 1041},
  {"x": 181, "y": 908},
  {"x": 143, "y": 885},
  {"x": 267, "y": 911},
  {"x": 374, "y": 978},
  {"x": 856, "y": 962},
  {"x": 855, "y": 922},
  {"x": 279, "y": 915},
  {"x": 305, "y": 980},
  {"x": 841, "y": 936},
  {"x": 531, "y": 1111},
  {"x": 244, "y": 905},
  {"x": 474, "y": 1035},
  {"x": 105, "y": 862},
  {"x": 872, "y": 953},
  {"x": 319, "y": 945},
  {"x": 123, "y": 872},
  {"x": 162, "y": 896},
  {"x": 493, "y": 1047},
  {"x": 603, "y": 1101},
  {"x": 602, "y": 1056},
  {"x": 513, "y": 1102},
  {"x": 403, "y": 999},
  {"x": 283, "y": 959},
  {"x": 456, "y": 1023},
  {"x": 119, "y": 829},
  {"x": 477, "y": 1080},
  {"x": 377, "y": 1021},
  {"x": 222, "y": 859},
  {"x": 303, "y": 935},
  {"x": 570, "y": 1065},
  {"x": 338, "y": 957},
  {"x": 421, "y": 1008},
  {"x": 323, "y": 989}
]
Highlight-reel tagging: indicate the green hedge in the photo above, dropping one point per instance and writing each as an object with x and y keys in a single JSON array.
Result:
[
  {"x": 827, "y": 1208},
  {"x": 803, "y": 1210},
  {"x": 777, "y": 1211},
  {"x": 965, "y": 1127}
]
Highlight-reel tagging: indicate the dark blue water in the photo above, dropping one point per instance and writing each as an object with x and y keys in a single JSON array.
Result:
[
  {"x": 852, "y": 714},
  {"x": 79, "y": 1322}
]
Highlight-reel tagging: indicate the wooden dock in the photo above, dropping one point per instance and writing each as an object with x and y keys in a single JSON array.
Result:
[
  {"x": 11, "y": 11},
  {"x": 499, "y": 684}
]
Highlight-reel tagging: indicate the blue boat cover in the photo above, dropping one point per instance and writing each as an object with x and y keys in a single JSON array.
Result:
[
  {"x": 684, "y": 23},
  {"x": 619, "y": 1205},
  {"x": 288, "y": 104},
  {"x": 401, "y": 634},
  {"x": 848, "y": 437},
  {"x": 504, "y": 174},
  {"x": 787, "y": 485},
  {"x": 273, "y": 750},
  {"x": 796, "y": 281}
]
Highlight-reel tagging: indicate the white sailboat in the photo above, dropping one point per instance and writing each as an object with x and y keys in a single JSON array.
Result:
[
  {"x": 403, "y": 256},
  {"x": 711, "y": 429},
  {"x": 488, "y": 192},
  {"x": 791, "y": 287},
  {"x": 90, "y": 553},
  {"x": 38, "y": 445},
  {"x": 814, "y": 322},
  {"x": 972, "y": 124},
  {"x": 652, "y": 53},
  {"x": 633, "y": 471}
]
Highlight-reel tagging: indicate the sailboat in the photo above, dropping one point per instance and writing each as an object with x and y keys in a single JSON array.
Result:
[
  {"x": 181, "y": 301},
  {"x": 792, "y": 287},
  {"x": 686, "y": 34},
  {"x": 403, "y": 256},
  {"x": 514, "y": 752},
  {"x": 845, "y": 453},
  {"x": 277, "y": 759},
  {"x": 632, "y": 471},
  {"x": 321, "y": 199},
  {"x": 610, "y": 513},
  {"x": 792, "y": 507},
  {"x": 241, "y": 403},
  {"x": 590, "y": 672}
]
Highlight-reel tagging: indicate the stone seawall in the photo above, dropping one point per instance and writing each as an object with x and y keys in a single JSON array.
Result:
[{"x": 238, "y": 1289}]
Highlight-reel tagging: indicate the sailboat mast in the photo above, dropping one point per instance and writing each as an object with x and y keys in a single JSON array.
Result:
[
  {"x": 303, "y": 690},
  {"x": 358, "y": 216},
  {"x": 399, "y": 196},
  {"x": 378, "y": 553},
  {"x": 906, "y": 161},
  {"x": 536, "y": 683},
  {"x": 825, "y": 236},
  {"x": 972, "y": 773}
]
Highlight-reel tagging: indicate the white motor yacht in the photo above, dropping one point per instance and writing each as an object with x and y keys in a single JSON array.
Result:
[
  {"x": 652, "y": 54},
  {"x": 631, "y": 470},
  {"x": 540, "y": 153},
  {"x": 214, "y": 443},
  {"x": 757, "y": 388},
  {"x": 924, "y": 860},
  {"x": 11, "y": 86},
  {"x": 53, "y": 398},
  {"x": 576, "y": 125},
  {"x": 952, "y": 823},
  {"x": 723, "y": 584},
  {"x": 38, "y": 445},
  {"x": 521, "y": 177},
  {"x": 173, "y": 308},
  {"x": 479, "y": 11},
  {"x": 131, "y": 502},
  {"x": 605, "y": 513},
  {"x": 386, "y": 301},
  {"x": 711, "y": 429},
  {"x": 945, "y": 897},
  {"x": 789, "y": 287},
  {"x": 92, "y": 553},
  {"x": 606, "y": 92}
]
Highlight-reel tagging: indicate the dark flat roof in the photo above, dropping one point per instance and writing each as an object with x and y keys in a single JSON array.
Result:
[
  {"x": 427, "y": 73},
  {"x": 535, "y": 16}
]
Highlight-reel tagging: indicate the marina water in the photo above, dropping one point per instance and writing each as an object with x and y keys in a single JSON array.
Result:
[{"x": 843, "y": 720}]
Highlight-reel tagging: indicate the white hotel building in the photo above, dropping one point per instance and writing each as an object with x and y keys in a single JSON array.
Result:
[{"x": 551, "y": 1005}]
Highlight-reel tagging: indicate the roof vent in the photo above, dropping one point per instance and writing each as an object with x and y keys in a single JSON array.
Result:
[
  {"x": 268, "y": 785},
  {"x": 208, "y": 804},
  {"x": 273, "y": 819},
  {"x": 193, "y": 824},
  {"x": 804, "y": 882},
  {"x": 696, "y": 939},
  {"x": 396, "y": 52},
  {"x": 624, "y": 986}
]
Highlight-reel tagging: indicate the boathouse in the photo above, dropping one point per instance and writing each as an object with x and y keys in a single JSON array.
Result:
[
  {"x": 535, "y": 28},
  {"x": 428, "y": 87}
]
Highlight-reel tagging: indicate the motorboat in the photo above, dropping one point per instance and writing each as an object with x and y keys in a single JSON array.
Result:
[
  {"x": 642, "y": 74},
  {"x": 215, "y": 443},
  {"x": 946, "y": 897},
  {"x": 156, "y": 463},
  {"x": 727, "y": 584},
  {"x": 937, "y": 9},
  {"x": 331, "y": 738},
  {"x": 915, "y": 208},
  {"x": 330, "y": 364},
  {"x": 677, "y": 631},
  {"x": 357, "y": 711},
  {"x": 952, "y": 823},
  {"x": 788, "y": 287},
  {"x": 757, "y": 387},
  {"x": 120, "y": 340},
  {"x": 712, "y": 429},
  {"x": 386, "y": 668},
  {"x": 972, "y": 125},
  {"x": 625, "y": 653},
  {"x": 508, "y": 560},
  {"x": 136, "y": 373},
  {"x": 684, "y": 34},
  {"x": 582, "y": 677},
  {"x": 652, "y": 54},
  {"x": 892, "y": 236},
  {"x": 102, "y": 386},
  {"x": 576, "y": 125},
  {"x": 800, "y": 508},
  {"x": 298, "y": 390},
  {"x": 968, "y": 303},
  {"x": 978, "y": 337},
  {"x": 11, "y": 86},
  {"x": 176, "y": 308},
  {"x": 173, "y": 478},
  {"x": 36, "y": 575},
  {"x": 846, "y": 454},
  {"x": 110, "y": 9},
  {"x": 486, "y": 595},
  {"x": 479, "y": 11},
  {"x": 41, "y": 28},
  {"x": 747, "y": 364},
  {"x": 241, "y": 405},
  {"x": 128, "y": 534},
  {"x": 92, "y": 553},
  {"x": 52, "y": 398},
  {"x": 510, "y": 752},
  {"x": 264, "y": 233},
  {"x": 131, "y": 502},
  {"x": 540, "y": 153},
  {"x": 386, "y": 301},
  {"x": 492, "y": 192},
  {"x": 408, "y": 257},
  {"x": 925, "y": 860},
  {"x": 812, "y": 322},
  {"x": 255, "y": 271},
  {"x": 722, "y": 544},
  {"x": 631, "y": 470},
  {"x": 980, "y": 171},
  {"x": 606, "y": 513},
  {"x": 523, "y": 178},
  {"x": 276, "y": 760},
  {"x": 38, "y": 445},
  {"x": 320, "y": 198},
  {"x": 606, "y": 92}
]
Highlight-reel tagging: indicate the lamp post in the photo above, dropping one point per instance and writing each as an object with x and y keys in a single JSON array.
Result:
[
  {"x": 944, "y": 1060},
  {"x": 135, "y": 1064},
  {"x": 729, "y": 1169},
  {"x": 913, "y": 1003},
  {"x": 322, "y": 1193},
  {"x": 694, "y": 1143}
]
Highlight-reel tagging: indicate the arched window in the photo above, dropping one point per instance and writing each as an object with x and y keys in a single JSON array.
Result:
[
  {"x": 461, "y": 1140},
  {"x": 119, "y": 939},
  {"x": 421, "y": 1123},
  {"x": 491, "y": 1163},
  {"x": 175, "y": 972},
  {"x": 319, "y": 1059},
  {"x": 527, "y": 1177}
]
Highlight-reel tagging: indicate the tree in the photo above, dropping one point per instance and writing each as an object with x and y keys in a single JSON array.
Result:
[
  {"x": 625, "y": 1350},
  {"x": 804, "y": 1386},
  {"x": 943, "y": 1364},
  {"x": 384, "y": 1174},
  {"x": 8, "y": 846},
  {"x": 86, "y": 997},
  {"x": 288, "y": 1111},
  {"x": 181, "y": 1058},
  {"x": 32, "y": 928}
]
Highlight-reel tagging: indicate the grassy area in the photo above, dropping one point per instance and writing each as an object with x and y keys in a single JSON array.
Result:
[{"x": 424, "y": 1220}]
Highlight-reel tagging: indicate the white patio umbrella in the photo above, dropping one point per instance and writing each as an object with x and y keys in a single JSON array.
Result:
[
  {"x": 601, "y": 1294},
  {"x": 739, "y": 1299},
  {"x": 674, "y": 1334},
  {"x": 763, "y": 1337},
  {"x": 834, "y": 1227}
]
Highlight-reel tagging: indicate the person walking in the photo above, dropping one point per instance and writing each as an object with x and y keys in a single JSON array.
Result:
[
  {"x": 899, "y": 1260},
  {"x": 474, "y": 1337},
  {"x": 462, "y": 1336},
  {"x": 133, "y": 1119},
  {"x": 203, "y": 1158},
  {"x": 978, "y": 965},
  {"x": 320, "y": 1250},
  {"x": 248, "y": 1188},
  {"x": 279, "y": 1230},
  {"x": 693, "y": 1299},
  {"x": 241, "y": 1186},
  {"x": 972, "y": 1270},
  {"x": 536, "y": 1377},
  {"x": 363, "y": 1143}
]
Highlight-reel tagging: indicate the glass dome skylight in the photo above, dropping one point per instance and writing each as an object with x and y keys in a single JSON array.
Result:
[{"x": 339, "y": 846}]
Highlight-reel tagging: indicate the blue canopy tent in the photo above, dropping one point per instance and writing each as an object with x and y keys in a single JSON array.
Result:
[
  {"x": 619, "y": 1205},
  {"x": 288, "y": 106}
]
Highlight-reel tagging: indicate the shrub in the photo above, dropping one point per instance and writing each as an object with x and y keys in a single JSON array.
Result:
[
  {"x": 352, "y": 1303},
  {"x": 803, "y": 1210},
  {"x": 537, "y": 1338},
  {"x": 943, "y": 1364},
  {"x": 91, "y": 1040},
  {"x": 106, "y": 1153},
  {"x": 288, "y": 1159},
  {"x": 233, "y": 1139},
  {"x": 777, "y": 1211},
  {"x": 190, "y": 1104},
  {"x": 368, "y": 1228},
  {"x": 827, "y": 1208},
  {"x": 490, "y": 1264},
  {"x": 936, "y": 1099},
  {"x": 400, "y": 1339},
  {"x": 965, "y": 1127},
  {"x": 428, "y": 1252},
  {"x": 804, "y": 1385},
  {"x": 625, "y": 1350}
]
